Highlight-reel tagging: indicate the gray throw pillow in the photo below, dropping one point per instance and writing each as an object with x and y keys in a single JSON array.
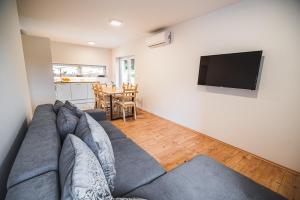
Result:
[
  {"x": 84, "y": 133},
  {"x": 76, "y": 111},
  {"x": 97, "y": 139},
  {"x": 66, "y": 122},
  {"x": 57, "y": 105},
  {"x": 81, "y": 175}
]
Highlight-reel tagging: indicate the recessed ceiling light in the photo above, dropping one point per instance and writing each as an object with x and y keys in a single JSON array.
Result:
[
  {"x": 91, "y": 43},
  {"x": 115, "y": 23}
]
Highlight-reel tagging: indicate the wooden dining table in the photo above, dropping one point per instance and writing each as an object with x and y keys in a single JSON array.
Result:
[{"x": 112, "y": 91}]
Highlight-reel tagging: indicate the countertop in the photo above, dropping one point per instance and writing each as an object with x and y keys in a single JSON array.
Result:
[{"x": 76, "y": 81}]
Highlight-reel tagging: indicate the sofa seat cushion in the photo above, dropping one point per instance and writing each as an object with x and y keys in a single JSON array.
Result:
[
  {"x": 112, "y": 131},
  {"x": 43, "y": 187},
  {"x": 134, "y": 166},
  {"x": 40, "y": 148},
  {"x": 204, "y": 178}
]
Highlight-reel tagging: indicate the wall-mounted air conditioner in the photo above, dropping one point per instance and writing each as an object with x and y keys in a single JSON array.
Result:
[{"x": 159, "y": 39}]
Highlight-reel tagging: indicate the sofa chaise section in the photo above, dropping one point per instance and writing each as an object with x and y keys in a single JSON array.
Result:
[
  {"x": 134, "y": 166},
  {"x": 204, "y": 178},
  {"x": 112, "y": 131}
]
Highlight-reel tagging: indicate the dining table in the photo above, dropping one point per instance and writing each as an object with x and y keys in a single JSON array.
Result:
[{"x": 112, "y": 91}]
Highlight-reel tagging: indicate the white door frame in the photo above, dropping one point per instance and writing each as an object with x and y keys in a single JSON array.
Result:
[{"x": 119, "y": 68}]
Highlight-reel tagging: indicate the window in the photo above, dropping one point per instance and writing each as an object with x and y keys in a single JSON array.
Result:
[
  {"x": 67, "y": 70},
  {"x": 127, "y": 70}
]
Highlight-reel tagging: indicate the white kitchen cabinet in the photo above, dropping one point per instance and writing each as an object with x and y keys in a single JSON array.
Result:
[
  {"x": 81, "y": 94},
  {"x": 90, "y": 91},
  {"x": 79, "y": 91},
  {"x": 84, "y": 104},
  {"x": 63, "y": 91}
]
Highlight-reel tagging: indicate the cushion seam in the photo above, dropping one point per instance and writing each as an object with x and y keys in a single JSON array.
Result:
[
  {"x": 40, "y": 174},
  {"x": 149, "y": 182}
]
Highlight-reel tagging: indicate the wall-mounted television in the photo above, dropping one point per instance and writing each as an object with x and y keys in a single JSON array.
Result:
[{"x": 234, "y": 70}]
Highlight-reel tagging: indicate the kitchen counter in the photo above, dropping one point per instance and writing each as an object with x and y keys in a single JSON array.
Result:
[
  {"x": 64, "y": 80},
  {"x": 76, "y": 81}
]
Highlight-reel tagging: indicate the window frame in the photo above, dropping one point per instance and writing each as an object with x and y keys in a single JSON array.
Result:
[{"x": 80, "y": 66}]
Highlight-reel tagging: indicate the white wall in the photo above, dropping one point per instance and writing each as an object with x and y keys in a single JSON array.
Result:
[
  {"x": 76, "y": 54},
  {"x": 264, "y": 122},
  {"x": 14, "y": 98},
  {"x": 38, "y": 64}
]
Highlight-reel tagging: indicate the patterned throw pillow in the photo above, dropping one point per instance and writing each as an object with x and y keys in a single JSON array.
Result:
[
  {"x": 96, "y": 138},
  {"x": 81, "y": 175},
  {"x": 128, "y": 199},
  {"x": 57, "y": 105},
  {"x": 66, "y": 122}
]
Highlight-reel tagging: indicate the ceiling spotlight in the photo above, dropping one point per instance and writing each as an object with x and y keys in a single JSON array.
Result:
[
  {"x": 91, "y": 43},
  {"x": 115, "y": 23}
]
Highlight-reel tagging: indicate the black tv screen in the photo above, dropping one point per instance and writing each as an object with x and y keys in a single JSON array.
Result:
[{"x": 234, "y": 70}]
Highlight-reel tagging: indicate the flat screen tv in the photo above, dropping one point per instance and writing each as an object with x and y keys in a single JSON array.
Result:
[{"x": 234, "y": 70}]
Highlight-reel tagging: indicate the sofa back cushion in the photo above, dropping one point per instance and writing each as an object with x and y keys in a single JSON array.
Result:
[
  {"x": 92, "y": 133},
  {"x": 40, "y": 148},
  {"x": 66, "y": 122},
  {"x": 42, "y": 187},
  {"x": 81, "y": 175}
]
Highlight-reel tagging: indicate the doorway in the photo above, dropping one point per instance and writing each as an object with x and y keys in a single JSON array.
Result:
[{"x": 127, "y": 70}]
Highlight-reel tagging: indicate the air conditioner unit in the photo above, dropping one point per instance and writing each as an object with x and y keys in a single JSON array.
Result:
[{"x": 159, "y": 39}]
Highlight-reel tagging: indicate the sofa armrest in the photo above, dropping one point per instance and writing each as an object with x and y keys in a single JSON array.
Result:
[{"x": 97, "y": 114}]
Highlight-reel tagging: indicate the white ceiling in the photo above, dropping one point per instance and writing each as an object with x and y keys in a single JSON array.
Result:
[{"x": 80, "y": 21}]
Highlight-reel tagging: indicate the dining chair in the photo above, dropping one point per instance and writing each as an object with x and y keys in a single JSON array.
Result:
[
  {"x": 125, "y": 85},
  {"x": 103, "y": 84},
  {"x": 103, "y": 105},
  {"x": 105, "y": 101},
  {"x": 96, "y": 94},
  {"x": 117, "y": 97},
  {"x": 128, "y": 100}
]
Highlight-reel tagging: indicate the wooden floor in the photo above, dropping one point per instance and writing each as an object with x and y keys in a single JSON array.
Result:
[{"x": 171, "y": 145}]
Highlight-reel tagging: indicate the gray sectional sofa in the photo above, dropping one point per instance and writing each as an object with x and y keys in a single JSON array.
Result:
[{"x": 35, "y": 174}]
